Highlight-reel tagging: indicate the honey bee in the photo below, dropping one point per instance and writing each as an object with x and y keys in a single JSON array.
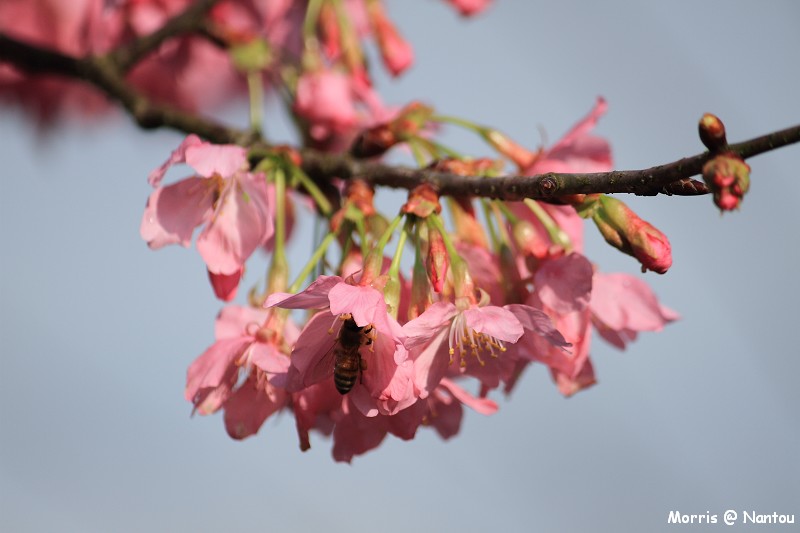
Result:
[
  {"x": 348, "y": 363},
  {"x": 344, "y": 359}
]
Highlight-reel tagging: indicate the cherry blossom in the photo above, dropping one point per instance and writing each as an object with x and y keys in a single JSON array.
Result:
[
  {"x": 229, "y": 201},
  {"x": 385, "y": 384}
]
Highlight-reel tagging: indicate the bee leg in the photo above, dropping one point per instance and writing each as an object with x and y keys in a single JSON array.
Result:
[{"x": 362, "y": 367}]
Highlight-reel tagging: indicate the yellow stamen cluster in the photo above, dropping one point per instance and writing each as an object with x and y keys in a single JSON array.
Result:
[{"x": 467, "y": 341}]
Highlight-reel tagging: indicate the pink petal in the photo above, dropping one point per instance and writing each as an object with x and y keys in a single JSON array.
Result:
[
  {"x": 584, "y": 379},
  {"x": 538, "y": 323},
  {"x": 173, "y": 212},
  {"x": 214, "y": 368},
  {"x": 431, "y": 362},
  {"x": 314, "y": 347},
  {"x": 248, "y": 408},
  {"x": 210, "y": 159},
  {"x": 315, "y": 296},
  {"x": 564, "y": 284},
  {"x": 494, "y": 321},
  {"x": 422, "y": 329},
  {"x": 356, "y": 434},
  {"x": 237, "y": 321},
  {"x": 449, "y": 413},
  {"x": 622, "y": 301},
  {"x": 483, "y": 406},
  {"x": 177, "y": 156},
  {"x": 365, "y": 304},
  {"x": 268, "y": 358},
  {"x": 240, "y": 223},
  {"x": 578, "y": 151}
]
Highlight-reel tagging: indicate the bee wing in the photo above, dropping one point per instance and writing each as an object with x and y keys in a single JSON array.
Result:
[{"x": 322, "y": 368}]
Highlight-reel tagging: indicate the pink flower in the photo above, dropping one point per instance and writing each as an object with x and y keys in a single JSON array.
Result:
[
  {"x": 473, "y": 333},
  {"x": 622, "y": 305},
  {"x": 563, "y": 290},
  {"x": 248, "y": 345},
  {"x": 469, "y": 7},
  {"x": 384, "y": 386},
  {"x": 231, "y": 202},
  {"x": 577, "y": 151},
  {"x": 355, "y": 434},
  {"x": 73, "y": 28},
  {"x": 336, "y": 106}
]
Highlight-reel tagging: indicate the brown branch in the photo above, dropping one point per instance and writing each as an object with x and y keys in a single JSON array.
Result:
[
  {"x": 105, "y": 73},
  {"x": 192, "y": 19},
  {"x": 651, "y": 181}
]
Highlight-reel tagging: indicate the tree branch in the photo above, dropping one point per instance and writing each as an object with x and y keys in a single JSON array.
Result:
[
  {"x": 107, "y": 74},
  {"x": 190, "y": 20},
  {"x": 670, "y": 178}
]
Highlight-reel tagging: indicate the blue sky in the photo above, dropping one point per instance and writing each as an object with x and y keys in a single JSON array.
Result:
[{"x": 97, "y": 330}]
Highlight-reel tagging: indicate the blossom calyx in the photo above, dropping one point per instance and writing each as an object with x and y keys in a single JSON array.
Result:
[
  {"x": 378, "y": 139},
  {"x": 728, "y": 177},
  {"x": 712, "y": 133},
  {"x": 423, "y": 200},
  {"x": 626, "y": 231}
]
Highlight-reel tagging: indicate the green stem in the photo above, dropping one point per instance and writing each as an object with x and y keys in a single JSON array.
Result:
[
  {"x": 416, "y": 151},
  {"x": 490, "y": 225},
  {"x": 394, "y": 268},
  {"x": 315, "y": 258},
  {"x": 458, "y": 122},
  {"x": 310, "y": 22},
  {"x": 316, "y": 194},
  {"x": 255, "y": 89},
  {"x": 556, "y": 234},
  {"x": 279, "y": 268},
  {"x": 384, "y": 240}
]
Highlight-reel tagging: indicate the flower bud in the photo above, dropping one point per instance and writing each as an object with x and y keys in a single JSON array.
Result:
[
  {"x": 437, "y": 260},
  {"x": 728, "y": 177},
  {"x": 712, "y": 132},
  {"x": 624, "y": 230},
  {"x": 396, "y": 52}
]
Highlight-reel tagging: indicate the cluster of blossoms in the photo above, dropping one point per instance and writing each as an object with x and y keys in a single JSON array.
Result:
[
  {"x": 380, "y": 352},
  {"x": 475, "y": 311}
]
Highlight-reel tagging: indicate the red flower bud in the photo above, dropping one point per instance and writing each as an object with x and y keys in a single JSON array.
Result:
[
  {"x": 712, "y": 133},
  {"x": 437, "y": 261},
  {"x": 728, "y": 177},
  {"x": 624, "y": 230},
  {"x": 396, "y": 52}
]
